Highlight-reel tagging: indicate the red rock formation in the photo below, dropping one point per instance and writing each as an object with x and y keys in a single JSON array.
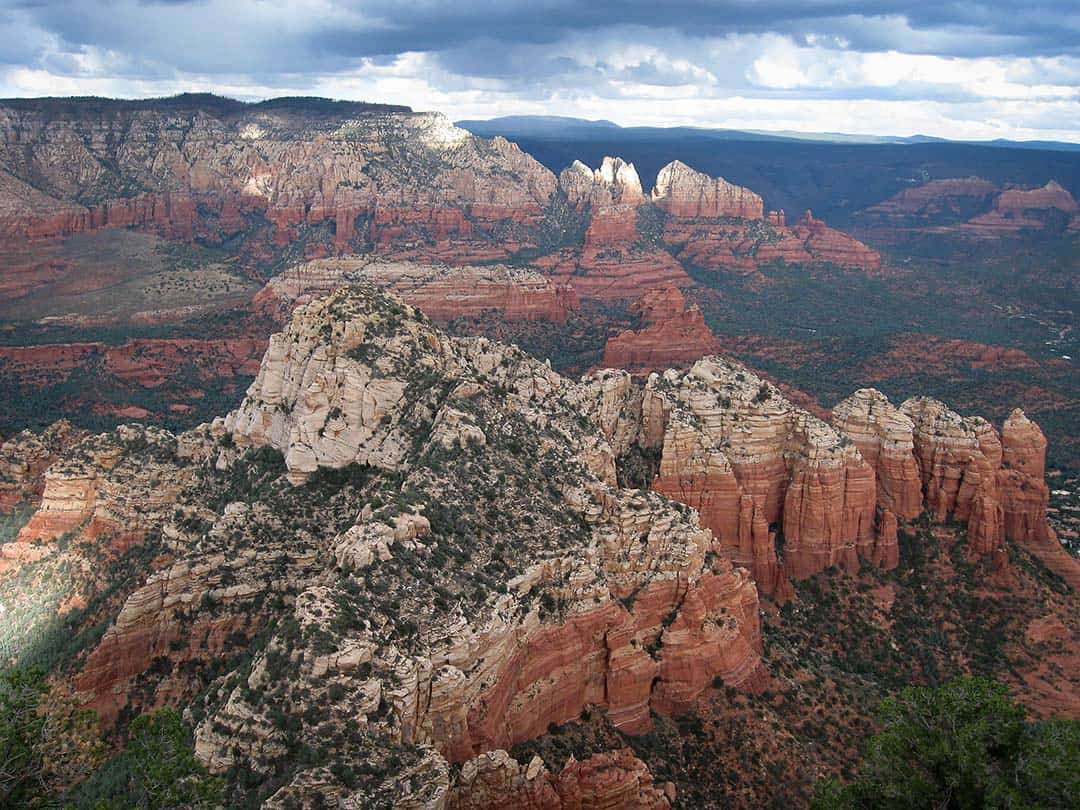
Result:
[
  {"x": 747, "y": 460},
  {"x": 828, "y": 516},
  {"x": 886, "y": 545},
  {"x": 884, "y": 437},
  {"x": 600, "y": 658},
  {"x": 496, "y": 781},
  {"x": 682, "y": 192},
  {"x": 442, "y": 293},
  {"x": 1022, "y": 480},
  {"x": 741, "y": 246},
  {"x": 1019, "y": 209},
  {"x": 826, "y": 244},
  {"x": 615, "y": 273},
  {"x": 950, "y": 457},
  {"x": 24, "y": 459},
  {"x": 145, "y": 362},
  {"x": 672, "y": 333},
  {"x": 929, "y": 354},
  {"x": 291, "y": 172},
  {"x": 613, "y": 264},
  {"x": 932, "y": 201}
]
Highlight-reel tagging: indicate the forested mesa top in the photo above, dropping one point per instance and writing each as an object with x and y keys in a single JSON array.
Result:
[{"x": 209, "y": 103}]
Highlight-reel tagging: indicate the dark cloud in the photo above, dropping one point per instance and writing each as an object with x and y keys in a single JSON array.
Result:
[
  {"x": 518, "y": 53},
  {"x": 243, "y": 36}
]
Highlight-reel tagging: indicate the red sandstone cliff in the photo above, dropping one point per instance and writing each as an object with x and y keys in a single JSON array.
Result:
[
  {"x": 672, "y": 333},
  {"x": 682, "y": 192}
]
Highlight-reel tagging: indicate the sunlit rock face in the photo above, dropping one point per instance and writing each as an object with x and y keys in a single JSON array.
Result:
[{"x": 754, "y": 466}]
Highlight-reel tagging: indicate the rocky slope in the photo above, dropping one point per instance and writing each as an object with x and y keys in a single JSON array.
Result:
[
  {"x": 443, "y": 293},
  {"x": 400, "y": 450}
]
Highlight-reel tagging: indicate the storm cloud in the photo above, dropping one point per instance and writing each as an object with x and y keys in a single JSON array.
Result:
[{"x": 959, "y": 69}]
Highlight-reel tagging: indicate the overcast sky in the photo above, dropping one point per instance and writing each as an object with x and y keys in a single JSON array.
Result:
[{"x": 953, "y": 68}]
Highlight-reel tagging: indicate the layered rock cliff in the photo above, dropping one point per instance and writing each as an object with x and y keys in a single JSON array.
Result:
[
  {"x": 971, "y": 207},
  {"x": 191, "y": 168},
  {"x": 927, "y": 456},
  {"x": 613, "y": 261},
  {"x": 683, "y": 192},
  {"x": 755, "y": 466}
]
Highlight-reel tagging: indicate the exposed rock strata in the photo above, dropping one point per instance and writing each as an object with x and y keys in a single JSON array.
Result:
[
  {"x": 672, "y": 333},
  {"x": 613, "y": 263},
  {"x": 753, "y": 465},
  {"x": 496, "y": 781},
  {"x": 683, "y": 192},
  {"x": 391, "y": 178},
  {"x": 24, "y": 458},
  {"x": 442, "y": 293},
  {"x": 883, "y": 435}
]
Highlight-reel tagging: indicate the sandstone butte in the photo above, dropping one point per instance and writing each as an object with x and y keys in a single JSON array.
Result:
[
  {"x": 672, "y": 332},
  {"x": 1017, "y": 209},
  {"x": 932, "y": 200},
  {"x": 612, "y": 597},
  {"x": 705, "y": 222}
]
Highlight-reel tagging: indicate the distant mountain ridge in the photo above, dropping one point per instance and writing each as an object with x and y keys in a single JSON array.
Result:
[{"x": 569, "y": 128}]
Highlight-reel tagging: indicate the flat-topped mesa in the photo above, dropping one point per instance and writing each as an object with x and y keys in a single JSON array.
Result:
[
  {"x": 1013, "y": 202},
  {"x": 925, "y": 203},
  {"x": 1018, "y": 209},
  {"x": 754, "y": 465},
  {"x": 672, "y": 333},
  {"x": 683, "y": 192},
  {"x": 443, "y": 293},
  {"x": 397, "y": 180},
  {"x": 883, "y": 434}
]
